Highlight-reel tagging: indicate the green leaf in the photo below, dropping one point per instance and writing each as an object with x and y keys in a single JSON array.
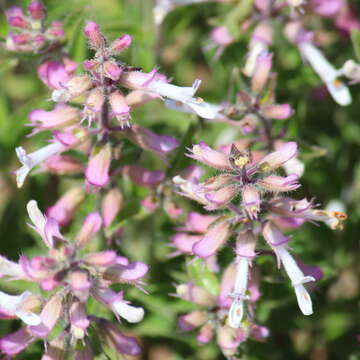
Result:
[
  {"x": 180, "y": 161},
  {"x": 237, "y": 15},
  {"x": 203, "y": 277},
  {"x": 355, "y": 38}
]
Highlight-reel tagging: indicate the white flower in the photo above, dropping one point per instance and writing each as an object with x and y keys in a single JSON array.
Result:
[
  {"x": 185, "y": 95},
  {"x": 37, "y": 157},
  {"x": 10, "y": 268},
  {"x": 12, "y": 305},
  {"x": 294, "y": 166},
  {"x": 297, "y": 279},
  {"x": 163, "y": 7},
  {"x": 296, "y": 3},
  {"x": 327, "y": 73},
  {"x": 36, "y": 216},
  {"x": 236, "y": 311},
  {"x": 210, "y": 111},
  {"x": 256, "y": 49},
  {"x": 130, "y": 313}
]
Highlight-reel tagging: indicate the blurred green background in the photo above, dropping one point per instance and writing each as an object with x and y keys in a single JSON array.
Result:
[{"x": 329, "y": 138}]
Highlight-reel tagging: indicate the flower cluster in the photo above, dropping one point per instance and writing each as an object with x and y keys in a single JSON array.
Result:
[
  {"x": 71, "y": 277},
  {"x": 30, "y": 34},
  {"x": 259, "y": 210},
  {"x": 99, "y": 93},
  {"x": 91, "y": 128},
  {"x": 210, "y": 317}
]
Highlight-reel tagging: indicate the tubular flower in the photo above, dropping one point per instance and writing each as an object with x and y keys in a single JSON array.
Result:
[
  {"x": 29, "y": 33},
  {"x": 72, "y": 278},
  {"x": 211, "y": 320}
]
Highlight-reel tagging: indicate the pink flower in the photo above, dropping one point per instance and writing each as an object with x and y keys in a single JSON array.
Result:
[
  {"x": 16, "y": 342},
  {"x": 97, "y": 171},
  {"x": 117, "y": 340},
  {"x": 92, "y": 32},
  {"x": 121, "y": 43},
  {"x": 214, "y": 238},
  {"x": 111, "y": 204},
  {"x": 63, "y": 210},
  {"x": 142, "y": 176},
  {"x": 55, "y": 74},
  {"x": 146, "y": 139},
  {"x": 91, "y": 225},
  {"x": 36, "y": 10}
]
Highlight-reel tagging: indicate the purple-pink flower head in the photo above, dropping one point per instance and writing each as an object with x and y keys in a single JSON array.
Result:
[
  {"x": 72, "y": 279},
  {"x": 242, "y": 176}
]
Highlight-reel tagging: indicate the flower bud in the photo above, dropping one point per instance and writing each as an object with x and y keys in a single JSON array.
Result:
[
  {"x": 56, "y": 30},
  {"x": 195, "y": 294},
  {"x": 92, "y": 32},
  {"x": 76, "y": 86},
  {"x": 63, "y": 210},
  {"x": 130, "y": 273},
  {"x": 117, "y": 340},
  {"x": 251, "y": 201},
  {"x": 16, "y": 342},
  {"x": 111, "y": 204},
  {"x": 92, "y": 224},
  {"x": 19, "y": 22},
  {"x": 229, "y": 339},
  {"x": 120, "y": 44},
  {"x": 147, "y": 140},
  {"x": 103, "y": 258},
  {"x": 97, "y": 171},
  {"x": 94, "y": 103},
  {"x": 80, "y": 284},
  {"x": 205, "y": 334},
  {"x": 351, "y": 70},
  {"x": 50, "y": 315},
  {"x": 262, "y": 72},
  {"x": 192, "y": 320},
  {"x": 112, "y": 70},
  {"x": 61, "y": 116},
  {"x": 220, "y": 36},
  {"x": 36, "y": 10},
  {"x": 222, "y": 197},
  {"x": 326, "y": 8},
  {"x": 278, "y": 111},
  {"x": 214, "y": 238},
  {"x": 245, "y": 244},
  {"x": 79, "y": 321},
  {"x": 142, "y": 176},
  {"x": 119, "y": 106},
  {"x": 62, "y": 165},
  {"x": 259, "y": 333}
]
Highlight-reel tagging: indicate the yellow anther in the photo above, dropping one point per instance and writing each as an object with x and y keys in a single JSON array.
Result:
[
  {"x": 241, "y": 161},
  {"x": 337, "y": 83}
]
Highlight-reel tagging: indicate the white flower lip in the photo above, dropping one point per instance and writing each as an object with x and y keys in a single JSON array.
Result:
[
  {"x": 12, "y": 305},
  {"x": 327, "y": 73},
  {"x": 36, "y": 216},
  {"x": 236, "y": 311},
  {"x": 31, "y": 160},
  {"x": 184, "y": 95},
  {"x": 303, "y": 299},
  {"x": 130, "y": 313},
  {"x": 297, "y": 279}
]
